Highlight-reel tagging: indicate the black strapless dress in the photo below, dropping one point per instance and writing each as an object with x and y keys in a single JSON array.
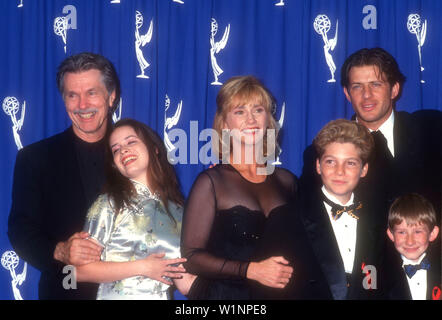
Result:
[{"x": 224, "y": 221}]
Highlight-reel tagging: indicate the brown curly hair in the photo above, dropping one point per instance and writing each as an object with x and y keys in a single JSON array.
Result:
[{"x": 345, "y": 131}]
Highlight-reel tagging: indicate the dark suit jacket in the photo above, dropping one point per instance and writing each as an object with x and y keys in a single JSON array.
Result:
[
  {"x": 49, "y": 204},
  {"x": 416, "y": 166},
  {"x": 369, "y": 247},
  {"x": 395, "y": 279}
]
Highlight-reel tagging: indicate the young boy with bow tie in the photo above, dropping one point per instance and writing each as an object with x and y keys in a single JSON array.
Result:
[
  {"x": 414, "y": 270},
  {"x": 344, "y": 236}
]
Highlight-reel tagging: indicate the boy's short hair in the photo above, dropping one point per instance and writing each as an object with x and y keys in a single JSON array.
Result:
[
  {"x": 414, "y": 209},
  {"x": 345, "y": 131}
]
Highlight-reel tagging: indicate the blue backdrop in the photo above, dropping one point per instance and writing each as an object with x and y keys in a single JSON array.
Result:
[{"x": 172, "y": 56}]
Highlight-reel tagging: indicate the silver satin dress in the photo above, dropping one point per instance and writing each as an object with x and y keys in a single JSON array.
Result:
[{"x": 137, "y": 231}]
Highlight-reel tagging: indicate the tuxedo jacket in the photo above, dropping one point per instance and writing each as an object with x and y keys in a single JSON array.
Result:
[
  {"x": 49, "y": 204},
  {"x": 416, "y": 166},
  {"x": 395, "y": 278},
  {"x": 368, "y": 251}
]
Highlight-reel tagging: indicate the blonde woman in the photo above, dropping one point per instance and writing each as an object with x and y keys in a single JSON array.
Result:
[{"x": 230, "y": 204}]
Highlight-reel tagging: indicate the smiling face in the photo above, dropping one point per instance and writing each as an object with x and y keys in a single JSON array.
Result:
[
  {"x": 371, "y": 95},
  {"x": 130, "y": 154},
  {"x": 341, "y": 168},
  {"x": 87, "y": 103},
  {"x": 412, "y": 240},
  {"x": 248, "y": 121}
]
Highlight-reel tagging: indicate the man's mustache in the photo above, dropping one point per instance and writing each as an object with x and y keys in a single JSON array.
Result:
[{"x": 88, "y": 110}]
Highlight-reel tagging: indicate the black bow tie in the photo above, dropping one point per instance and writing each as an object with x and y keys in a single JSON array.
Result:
[
  {"x": 337, "y": 210},
  {"x": 411, "y": 269}
]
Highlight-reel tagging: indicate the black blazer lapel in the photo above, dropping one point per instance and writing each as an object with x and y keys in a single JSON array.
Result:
[
  {"x": 407, "y": 142},
  {"x": 323, "y": 241},
  {"x": 392, "y": 275},
  {"x": 367, "y": 252},
  {"x": 401, "y": 289}
]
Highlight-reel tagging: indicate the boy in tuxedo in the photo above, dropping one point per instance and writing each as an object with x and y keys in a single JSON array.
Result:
[
  {"x": 415, "y": 272},
  {"x": 344, "y": 237}
]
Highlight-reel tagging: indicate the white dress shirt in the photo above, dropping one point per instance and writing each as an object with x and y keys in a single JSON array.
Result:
[
  {"x": 345, "y": 231},
  {"x": 387, "y": 130},
  {"x": 418, "y": 283}
]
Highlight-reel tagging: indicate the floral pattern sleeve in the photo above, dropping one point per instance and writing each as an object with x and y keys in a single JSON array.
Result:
[{"x": 99, "y": 220}]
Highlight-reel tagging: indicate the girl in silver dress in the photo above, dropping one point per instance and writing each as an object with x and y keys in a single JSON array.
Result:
[{"x": 137, "y": 220}]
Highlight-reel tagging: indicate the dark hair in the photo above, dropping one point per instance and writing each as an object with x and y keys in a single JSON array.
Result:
[
  {"x": 414, "y": 209},
  {"x": 160, "y": 173},
  {"x": 86, "y": 61},
  {"x": 345, "y": 131},
  {"x": 378, "y": 57}
]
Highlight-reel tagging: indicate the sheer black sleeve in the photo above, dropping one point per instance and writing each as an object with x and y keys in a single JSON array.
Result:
[{"x": 198, "y": 224}]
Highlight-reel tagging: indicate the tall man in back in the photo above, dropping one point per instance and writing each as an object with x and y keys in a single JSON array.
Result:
[
  {"x": 408, "y": 147},
  {"x": 58, "y": 178}
]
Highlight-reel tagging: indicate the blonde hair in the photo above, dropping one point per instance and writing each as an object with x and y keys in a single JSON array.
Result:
[
  {"x": 345, "y": 131},
  {"x": 242, "y": 90},
  {"x": 414, "y": 209}
]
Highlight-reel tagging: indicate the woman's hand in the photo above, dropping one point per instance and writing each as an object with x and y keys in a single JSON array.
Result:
[
  {"x": 273, "y": 272},
  {"x": 184, "y": 283},
  {"x": 156, "y": 268}
]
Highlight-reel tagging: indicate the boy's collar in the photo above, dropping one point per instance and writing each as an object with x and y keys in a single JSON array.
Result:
[
  {"x": 335, "y": 200},
  {"x": 407, "y": 261}
]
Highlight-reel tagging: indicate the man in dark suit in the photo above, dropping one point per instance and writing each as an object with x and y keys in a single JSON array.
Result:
[
  {"x": 58, "y": 178},
  {"x": 408, "y": 147}
]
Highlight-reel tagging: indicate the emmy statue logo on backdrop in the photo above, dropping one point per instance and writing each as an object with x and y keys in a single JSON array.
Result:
[
  {"x": 322, "y": 26},
  {"x": 63, "y": 23},
  {"x": 415, "y": 26},
  {"x": 170, "y": 122},
  {"x": 215, "y": 48},
  {"x": 179, "y": 1},
  {"x": 115, "y": 1},
  {"x": 20, "y": 4},
  {"x": 60, "y": 29},
  {"x": 280, "y": 3},
  {"x": 116, "y": 116},
  {"x": 280, "y": 124},
  {"x": 11, "y": 107},
  {"x": 141, "y": 41},
  {"x": 10, "y": 261}
]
